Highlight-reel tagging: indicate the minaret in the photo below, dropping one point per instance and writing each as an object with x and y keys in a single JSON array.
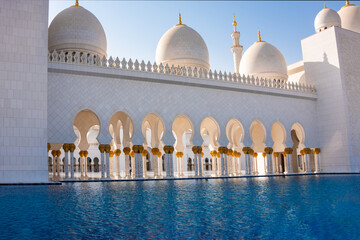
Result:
[{"x": 236, "y": 49}]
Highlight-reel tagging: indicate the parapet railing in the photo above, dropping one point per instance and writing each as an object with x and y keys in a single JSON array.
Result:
[{"x": 84, "y": 58}]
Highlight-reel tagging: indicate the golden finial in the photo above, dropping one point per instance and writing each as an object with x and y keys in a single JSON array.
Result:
[
  {"x": 180, "y": 23},
  {"x": 234, "y": 22},
  {"x": 348, "y": 4},
  {"x": 77, "y": 3},
  {"x": 259, "y": 37},
  {"x": 325, "y": 5}
]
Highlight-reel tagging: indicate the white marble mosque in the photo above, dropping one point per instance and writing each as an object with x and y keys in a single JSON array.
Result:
[{"x": 176, "y": 117}]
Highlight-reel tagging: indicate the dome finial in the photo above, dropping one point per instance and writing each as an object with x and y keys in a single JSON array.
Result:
[
  {"x": 325, "y": 5},
  {"x": 77, "y": 3},
  {"x": 259, "y": 37},
  {"x": 180, "y": 23},
  {"x": 348, "y": 4},
  {"x": 234, "y": 24}
]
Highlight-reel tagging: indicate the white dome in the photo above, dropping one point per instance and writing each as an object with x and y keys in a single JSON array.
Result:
[
  {"x": 263, "y": 60},
  {"x": 75, "y": 28},
  {"x": 326, "y": 18},
  {"x": 183, "y": 46},
  {"x": 350, "y": 17}
]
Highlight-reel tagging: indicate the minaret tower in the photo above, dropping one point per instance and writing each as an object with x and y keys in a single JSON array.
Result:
[{"x": 236, "y": 49}]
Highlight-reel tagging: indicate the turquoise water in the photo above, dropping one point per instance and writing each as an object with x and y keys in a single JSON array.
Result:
[{"x": 303, "y": 207}]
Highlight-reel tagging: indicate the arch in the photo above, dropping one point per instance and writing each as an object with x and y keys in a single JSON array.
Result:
[
  {"x": 86, "y": 121},
  {"x": 210, "y": 133},
  {"x": 278, "y": 135},
  {"x": 157, "y": 129},
  {"x": 258, "y": 136},
  {"x": 121, "y": 129},
  {"x": 298, "y": 135},
  {"x": 235, "y": 134},
  {"x": 183, "y": 131}
]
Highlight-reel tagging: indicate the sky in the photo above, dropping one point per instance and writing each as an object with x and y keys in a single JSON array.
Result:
[{"x": 133, "y": 28}]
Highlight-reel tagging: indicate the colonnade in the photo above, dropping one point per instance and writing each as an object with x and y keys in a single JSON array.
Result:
[{"x": 225, "y": 162}]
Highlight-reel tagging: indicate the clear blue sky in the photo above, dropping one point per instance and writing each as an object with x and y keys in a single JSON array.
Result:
[{"x": 133, "y": 28}]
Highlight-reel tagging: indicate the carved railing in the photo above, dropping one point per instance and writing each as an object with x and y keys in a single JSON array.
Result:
[{"x": 84, "y": 58}]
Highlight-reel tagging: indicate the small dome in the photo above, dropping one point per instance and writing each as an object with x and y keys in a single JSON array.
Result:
[
  {"x": 326, "y": 18},
  {"x": 263, "y": 60},
  {"x": 77, "y": 29},
  {"x": 350, "y": 17},
  {"x": 183, "y": 46}
]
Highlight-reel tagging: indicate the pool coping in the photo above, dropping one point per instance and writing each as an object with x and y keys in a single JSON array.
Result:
[
  {"x": 199, "y": 178},
  {"x": 174, "y": 178}
]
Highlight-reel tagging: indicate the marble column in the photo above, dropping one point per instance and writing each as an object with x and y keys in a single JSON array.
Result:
[
  {"x": 179, "y": 156},
  {"x": 200, "y": 161},
  {"x": 144, "y": 163},
  {"x": 53, "y": 154},
  {"x": 102, "y": 151},
  {"x": 155, "y": 152},
  {"x": 224, "y": 168},
  {"x": 317, "y": 159},
  {"x": 111, "y": 163},
  {"x": 247, "y": 152},
  {"x": 213, "y": 163},
  {"x": 218, "y": 164},
  {"x": 288, "y": 160},
  {"x": 138, "y": 168},
  {"x": 126, "y": 151},
  {"x": 86, "y": 153},
  {"x": 255, "y": 163},
  {"x": 160, "y": 166},
  {"x": 107, "y": 152},
  {"x": 117, "y": 161},
  {"x": 307, "y": 152},
  {"x": 269, "y": 163},
  {"x": 66, "y": 161},
  {"x": 195, "y": 149},
  {"x": 276, "y": 162}
]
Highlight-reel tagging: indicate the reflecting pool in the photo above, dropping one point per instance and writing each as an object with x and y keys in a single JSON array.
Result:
[{"x": 301, "y": 207}]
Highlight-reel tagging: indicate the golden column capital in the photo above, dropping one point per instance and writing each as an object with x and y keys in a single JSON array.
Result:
[
  {"x": 126, "y": 150},
  {"x": 316, "y": 150},
  {"x": 58, "y": 153},
  {"x": 288, "y": 150},
  {"x": 132, "y": 154},
  {"x": 194, "y": 149},
  {"x": 268, "y": 150},
  {"x": 117, "y": 152},
  {"x": 66, "y": 147},
  {"x": 302, "y": 152},
  {"x": 202, "y": 154},
  {"x": 111, "y": 153},
  {"x": 246, "y": 150},
  {"x": 86, "y": 153},
  {"x": 307, "y": 150},
  {"x": 138, "y": 148},
  {"x": 154, "y": 151},
  {"x": 212, "y": 153},
  {"x": 53, "y": 153},
  {"x": 102, "y": 148},
  {"x": 229, "y": 152},
  {"x": 144, "y": 153},
  {"x": 276, "y": 154},
  {"x": 107, "y": 148},
  {"x": 81, "y": 153},
  {"x": 179, "y": 154},
  {"x": 218, "y": 154},
  {"x": 48, "y": 146},
  {"x": 72, "y": 147},
  {"x": 255, "y": 154},
  {"x": 264, "y": 154},
  {"x": 159, "y": 154}
]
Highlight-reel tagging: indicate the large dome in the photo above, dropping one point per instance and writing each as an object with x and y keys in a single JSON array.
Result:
[
  {"x": 326, "y": 18},
  {"x": 350, "y": 17},
  {"x": 183, "y": 46},
  {"x": 263, "y": 60},
  {"x": 75, "y": 28}
]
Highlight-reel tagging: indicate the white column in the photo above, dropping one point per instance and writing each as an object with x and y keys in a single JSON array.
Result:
[
  {"x": 127, "y": 162},
  {"x": 196, "y": 164},
  {"x": 102, "y": 161},
  {"x": 269, "y": 163},
  {"x": 317, "y": 159},
  {"x": 288, "y": 161},
  {"x": 200, "y": 161},
  {"x": 307, "y": 152},
  {"x": 53, "y": 153},
  {"x": 66, "y": 161},
  {"x": 72, "y": 162},
  {"x": 155, "y": 152},
  {"x": 117, "y": 161},
  {"x": 218, "y": 164},
  {"x": 213, "y": 163}
]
